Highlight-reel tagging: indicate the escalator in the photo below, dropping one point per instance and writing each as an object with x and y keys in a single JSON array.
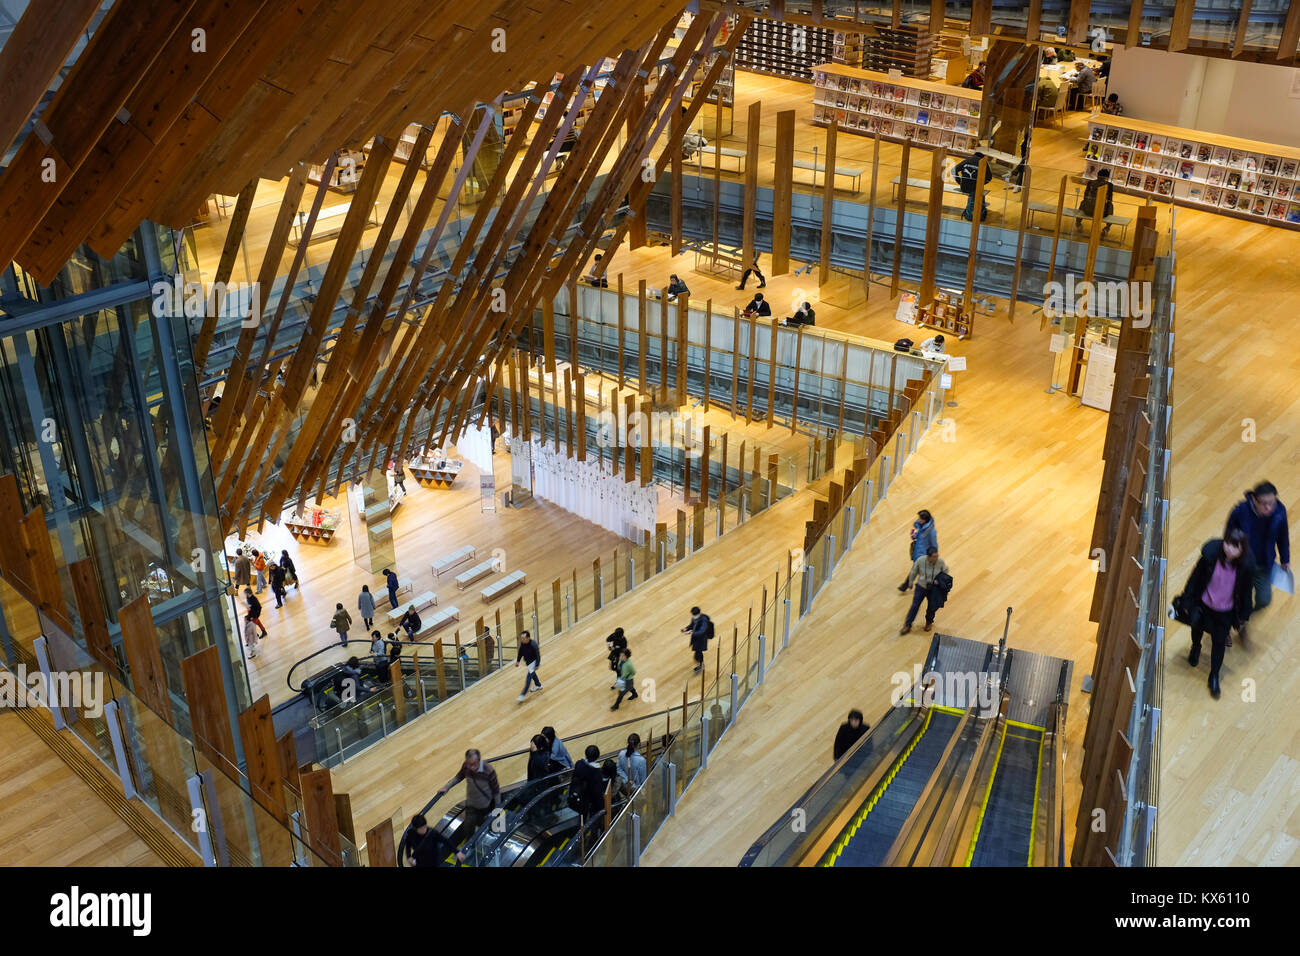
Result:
[{"x": 966, "y": 770}]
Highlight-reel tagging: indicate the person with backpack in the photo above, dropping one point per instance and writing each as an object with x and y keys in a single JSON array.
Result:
[
  {"x": 701, "y": 631},
  {"x": 967, "y": 175},
  {"x": 626, "y": 682},
  {"x": 1262, "y": 517},
  {"x": 923, "y": 539},
  {"x": 482, "y": 790},
  {"x": 277, "y": 584},
  {"x": 255, "y": 608},
  {"x": 366, "y": 606},
  {"x": 259, "y": 566},
  {"x": 929, "y": 588},
  {"x": 425, "y": 846},
  {"x": 615, "y": 643},
  {"x": 1217, "y": 597},
  {"x": 587, "y": 785},
  {"x": 631, "y": 765},
  {"x": 1088, "y": 204},
  {"x": 286, "y": 562},
  {"x": 532, "y": 658},
  {"x": 540, "y": 762},
  {"x": 340, "y": 623}
]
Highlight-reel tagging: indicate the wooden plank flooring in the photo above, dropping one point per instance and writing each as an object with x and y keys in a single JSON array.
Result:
[{"x": 49, "y": 816}]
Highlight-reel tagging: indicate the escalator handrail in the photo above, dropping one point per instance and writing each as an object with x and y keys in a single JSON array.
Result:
[
  {"x": 500, "y": 838},
  {"x": 415, "y": 646},
  {"x": 888, "y": 757},
  {"x": 915, "y": 817}
]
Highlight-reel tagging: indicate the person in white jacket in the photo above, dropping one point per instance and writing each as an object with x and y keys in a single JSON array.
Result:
[{"x": 251, "y": 634}]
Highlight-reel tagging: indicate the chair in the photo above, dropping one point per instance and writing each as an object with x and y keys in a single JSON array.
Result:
[
  {"x": 1092, "y": 101},
  {"x": 1057, "y": 110}
]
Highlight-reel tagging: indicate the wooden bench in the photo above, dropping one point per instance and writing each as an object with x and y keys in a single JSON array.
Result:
[
  {"x": 729, "y": 152},
  {"x": 326, "y": 217},
  {"x": 727, "y": 259},
  {"x": 846, "y": 171},
  {"x": 1078, "y": 215},
  {"x": 447, "y": 562},
  {"x": 924, "y": 184},
  {"x": 498, "y": 588},
  {"x": 438, "y": 620},
  {"x": 420, "y": 601},
  {"x": 481, "y": 570}
]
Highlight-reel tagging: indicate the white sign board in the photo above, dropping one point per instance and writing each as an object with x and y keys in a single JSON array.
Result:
[
  {"x": 956, "y": 363},
  {"x": 1099, "y": 383},
  {"x": 945, "y": 380},
  {"x": 1058, "y": 343}
]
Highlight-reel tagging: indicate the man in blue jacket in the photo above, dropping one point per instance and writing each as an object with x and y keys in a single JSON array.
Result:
[
  {"x": 923, "y": 539},
  {"x": 1263, "y": 518}
]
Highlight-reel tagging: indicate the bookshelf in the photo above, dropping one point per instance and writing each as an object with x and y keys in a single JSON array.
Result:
[
  {"x": 906, "y": 49},
  {"x": 899, "y": 108},
  {"x": 1237, "y": 177},
  {"x": 793, "y": 51}
]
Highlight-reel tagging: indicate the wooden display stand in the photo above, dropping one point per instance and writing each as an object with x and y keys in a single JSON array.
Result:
[
  {"x": 440, "y": 473},
  {"x": 318, "y": 525},
  {"x": 1238, "y": 177},
  {"x": 932, "y": 114},
  {"x": 945, "y": 314}
]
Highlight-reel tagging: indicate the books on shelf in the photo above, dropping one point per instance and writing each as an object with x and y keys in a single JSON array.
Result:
[
  {"x": 897, "y": 107},
  {"x": 1252, "y": 180}
]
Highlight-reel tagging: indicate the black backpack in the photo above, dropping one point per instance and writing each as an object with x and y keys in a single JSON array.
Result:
[
  {"x": 903, "y": 345},
  {"x": 574, "y": 798},
  {"x": 708, "y": 628}
]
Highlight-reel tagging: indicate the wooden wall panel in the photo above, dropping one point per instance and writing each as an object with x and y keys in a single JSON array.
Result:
[
  {"x": 321, "y": 814},
  {"x": 782, "y": 190},
  {"x": 266, "y": 778},
  {"x": 90, "y": 609}
]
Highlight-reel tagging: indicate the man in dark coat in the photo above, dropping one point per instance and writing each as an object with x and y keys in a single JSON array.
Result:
[
  {"x": 850, "y": 732},
  {"x": 589, "y": 783},
  {"x": 1263, "y": 519},
  {"x": 699, "y": 629}
]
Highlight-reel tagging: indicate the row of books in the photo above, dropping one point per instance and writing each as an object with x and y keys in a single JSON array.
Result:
[
  {"x": 898, "y": 94},
  {"x": 903, "y": 129},
  {"x": 1245, "y": 180},
  {"x": 1199, "y": 194},
  {"x": 1199, "y": 152},
  {"x": 912, "y": 114}
]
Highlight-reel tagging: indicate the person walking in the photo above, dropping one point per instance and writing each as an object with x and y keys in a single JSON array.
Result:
[
  {"x": 1217, "y": 597},
  {"x": 626, "y": 682},
  {"x": 259, "y": 568},
  {"x": 701, "y": 631},
  {"x": 243, "y": 568},
  {"x": 411, "y": 622},
  {"x": 966, "y": 173},
  {"x": 744, "y": 277},
  {"x": 390, "y": 581},
  {"x": 559, "y": 753},
  {"x": 482, "y": 790},
  {"x": 532, "y": 658},
  {"x": 366, "y": 606},
  {"x": 1262, "y": 517},
  {"x": 286, "y": 562},
  {"x": 850, "y": 732},
  {"x": 340, "y": 622},
  {"x": 277, "y": 575},
  {"x": 615, "y": 644},
  {"x": 923, "y": 539},
  {"x": 928, "y": 587},
  {"x": 425, "y": 846},
  {"x": 255, "y": 608},
  {"x": 250, "y": 635}
]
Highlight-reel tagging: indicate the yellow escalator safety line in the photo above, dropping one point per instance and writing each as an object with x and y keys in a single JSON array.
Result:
[
  {"x": 1038, "y": 779},
  {"x": 988, "y": 791},
  {"x": 1021, "y": 723}
]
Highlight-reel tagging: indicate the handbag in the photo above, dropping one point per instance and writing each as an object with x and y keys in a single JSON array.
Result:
[
  {"x": 1186, "y": 611},
  {"x": 621, "y": 683}
]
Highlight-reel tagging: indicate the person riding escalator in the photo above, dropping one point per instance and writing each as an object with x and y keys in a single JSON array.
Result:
[{"x": 425, "y": 846}]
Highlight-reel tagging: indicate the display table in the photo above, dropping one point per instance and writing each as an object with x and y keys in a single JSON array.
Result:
[
  {"x": 1237, "y": 177},
  {"x": 945, "y": 315},
  {"x": 899, "y": 108},
  {"x": 439, "y": 472},
  {"x": 318, "y": 524}
]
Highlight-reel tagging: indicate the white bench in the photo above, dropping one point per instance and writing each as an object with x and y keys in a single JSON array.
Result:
[
  {"x": 481, "y": 570},
  {"x": 729, "y": 152},
  {"x": 914, "y": 183},
  {"x": 847, "y": 171},
  {"x": 330, "y": 218},
  {"x": 381, "y": 599},
  {"x": 1078, "y": 215},
  {"x": 440, "y": 619},
  {"x": 498, "y": 588},
  {"x": 420, "y": 601},
  {"x": 447, "y": 562}
]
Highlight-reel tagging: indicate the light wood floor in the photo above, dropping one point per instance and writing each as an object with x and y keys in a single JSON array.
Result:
[{"x": 50, "y": 816}]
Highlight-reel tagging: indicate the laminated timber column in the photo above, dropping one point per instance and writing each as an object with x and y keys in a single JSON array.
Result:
[
  {"x": 782, "y": 190},
  {"x": 933, "y": 220},
  {"x": 751, "y": 181},
  {"x": 636, "y": 230},
  {"x": 828, "y": 205}
]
